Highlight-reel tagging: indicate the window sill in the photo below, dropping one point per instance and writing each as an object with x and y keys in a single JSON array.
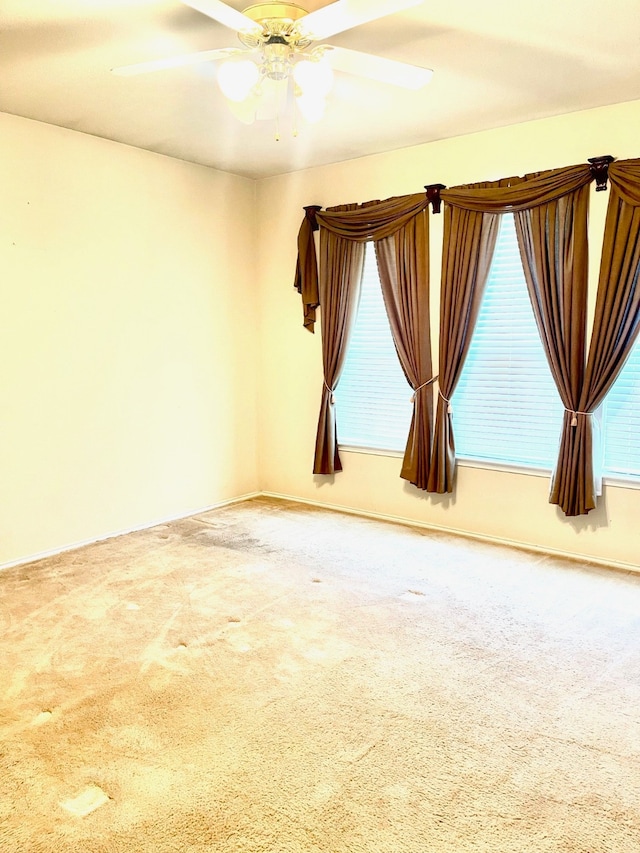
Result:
[
  {"x": 464, "y": 463},
  {"x": 506, "y": 467},
  {"x": 486, "y": 464},
  {"x": 621, "y": 482},
  {"x": 371, "y": 451}
]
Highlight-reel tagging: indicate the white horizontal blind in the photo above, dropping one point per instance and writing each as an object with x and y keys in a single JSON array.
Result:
[
  {"x": 373, "y": 407},
  {"x": 506, "y": 408},
  {"x": 621, "y": 421}
]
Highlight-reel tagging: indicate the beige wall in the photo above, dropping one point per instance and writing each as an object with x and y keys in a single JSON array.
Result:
[
  {"x": 490, "y": 503},
  {"x": 127, "y": 345}
]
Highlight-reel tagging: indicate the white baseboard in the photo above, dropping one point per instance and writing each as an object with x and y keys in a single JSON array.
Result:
[
  {"x": 73, "y": 546},
  {"x": 481, "y": 537},
  {"x": 395, "y": 519}
]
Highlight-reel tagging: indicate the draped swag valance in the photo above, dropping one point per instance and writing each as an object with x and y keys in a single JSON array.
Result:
[
  {"x": 372, "y": 220},
  {"x": 518, "y": 193},
  {"x": 550, "y": 210}
]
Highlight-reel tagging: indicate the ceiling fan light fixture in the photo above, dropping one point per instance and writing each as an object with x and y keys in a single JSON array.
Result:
[{"x": 237, "y": 79}]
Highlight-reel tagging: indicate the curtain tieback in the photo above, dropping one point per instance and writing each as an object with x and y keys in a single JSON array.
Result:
[
  {"x": 330, "y": 390},
  {"x": 574, "y": 416},
  {"x": 424, "y": 385},
  {"x": 447, "y": 401}
]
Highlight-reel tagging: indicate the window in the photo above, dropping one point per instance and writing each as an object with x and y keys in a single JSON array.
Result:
[
  {"x": 373, "y": 397},
  {"x": 621, "y": 422},
  {"x": 506, "y": 409}
]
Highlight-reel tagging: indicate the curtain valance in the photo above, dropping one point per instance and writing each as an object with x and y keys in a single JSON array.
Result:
[
  {"x": 624, "y": 177},
  {"x": 306, "y": 277},
  {"x": 509, "y": 195},
  {"x": 373, "y": 220}
]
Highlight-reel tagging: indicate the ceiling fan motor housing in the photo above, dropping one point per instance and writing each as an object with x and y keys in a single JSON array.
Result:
[{"x": 278, "y": 21}]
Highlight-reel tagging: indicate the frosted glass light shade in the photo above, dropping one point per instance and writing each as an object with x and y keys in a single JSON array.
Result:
[
  {"x": 245, "y": 111},
  {"x": 311, "y": 107},
  {"x": 314, "y": 77},
  {"x": 237, "y": 79}
]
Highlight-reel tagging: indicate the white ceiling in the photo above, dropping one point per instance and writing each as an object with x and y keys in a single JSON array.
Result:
[{"x": 496, "y": 62}]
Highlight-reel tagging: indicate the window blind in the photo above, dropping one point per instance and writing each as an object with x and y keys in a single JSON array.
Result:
[
  {"x": 621, "y": 421},
  {"x": 373, "y": 407},
  {"x": 506, "y": 408}
]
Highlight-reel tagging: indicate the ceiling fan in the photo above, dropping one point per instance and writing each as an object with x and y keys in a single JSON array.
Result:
[{"x": 281, "y": 61}]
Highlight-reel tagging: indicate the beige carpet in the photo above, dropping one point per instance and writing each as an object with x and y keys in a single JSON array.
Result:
[{"x": 275, "y": 678}]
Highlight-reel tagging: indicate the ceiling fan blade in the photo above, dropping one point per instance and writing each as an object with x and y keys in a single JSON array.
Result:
[
  {"x": 224, "y": 14},
  {"x": 345, "y": 14},
  {"x": 378, "y": 68},
  {"x": 175, "y": 61}
]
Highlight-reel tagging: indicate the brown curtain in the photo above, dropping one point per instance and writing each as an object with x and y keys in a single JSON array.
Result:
[
  {"x": 554, "y": 249},
  {"x": 469, "y": 241},
  {"x": 306, "y": 277},
  {"x": 341, "y": 263},
  {"x": 400, "y": 227},
  {"x": 615, "y": 329},
  {"x": 404, "y": 275},
  {"x": 470, "y": 232}
]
